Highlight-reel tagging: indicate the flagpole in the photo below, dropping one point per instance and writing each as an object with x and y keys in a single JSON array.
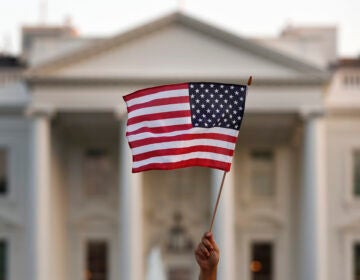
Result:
[
  {"x": 222, "y": 183},
  {"x": 217, "y": 201}
]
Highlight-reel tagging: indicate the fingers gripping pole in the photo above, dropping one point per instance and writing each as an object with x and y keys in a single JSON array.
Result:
[{"x": 217, "y": 201}]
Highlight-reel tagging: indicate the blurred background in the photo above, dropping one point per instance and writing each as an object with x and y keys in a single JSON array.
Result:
[{"x": 70, "y": 207}]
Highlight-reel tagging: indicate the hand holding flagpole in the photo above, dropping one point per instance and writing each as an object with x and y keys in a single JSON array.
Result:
[{"x": 222, "y": 183}]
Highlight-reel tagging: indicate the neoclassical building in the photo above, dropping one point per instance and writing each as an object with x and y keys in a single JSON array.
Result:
[{"x": 70, "y": 208}]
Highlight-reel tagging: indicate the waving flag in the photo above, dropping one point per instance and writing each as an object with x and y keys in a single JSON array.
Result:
[{"x": 181, "y": 125}]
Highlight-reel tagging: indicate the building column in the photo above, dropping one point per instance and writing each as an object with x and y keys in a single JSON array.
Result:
[
  {"x": 131, "y": 233},
  {"x": 224, "y": 226},
  {"x": 313, "y": 233},
  {"x": 39, "y": 197}
]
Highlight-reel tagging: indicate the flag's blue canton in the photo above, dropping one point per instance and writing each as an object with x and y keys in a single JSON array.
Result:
[{"x": 217, "y": 105}]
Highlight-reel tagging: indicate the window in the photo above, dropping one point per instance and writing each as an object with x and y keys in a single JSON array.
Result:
[
  {"x": 3, "y": 260},
  {"x": 97, "y": 260},
  {"x": 3, "y": 172},
  {"x": 262, "y": 173},
  {"x": 356, "y": 172},
  {"x": 98, "y": 173},
  {"x": 261, "y": 265}
]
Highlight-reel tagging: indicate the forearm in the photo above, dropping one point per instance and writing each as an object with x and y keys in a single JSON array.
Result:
[{"x": 208, "y": 274}]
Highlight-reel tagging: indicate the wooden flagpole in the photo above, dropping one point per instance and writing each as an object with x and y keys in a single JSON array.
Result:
[
  {"x": 217, "y": 202},
  {"x": 222, "y": 183}
]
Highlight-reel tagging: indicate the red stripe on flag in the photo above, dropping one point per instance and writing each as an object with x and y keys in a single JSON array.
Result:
[
  {"x": 147, "y": 91},
  {"x": 185, "y": 163},
  {"x": 164, "y": 129},
  {"x": 159, "y": 102},
  {"x": 183, "y": 137},
  {"x": 180, "y": 151},
  {"x": 159, "y": 116}
]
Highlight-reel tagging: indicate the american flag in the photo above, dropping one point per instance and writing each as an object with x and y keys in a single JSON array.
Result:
[{"x": 182, "y": 125}]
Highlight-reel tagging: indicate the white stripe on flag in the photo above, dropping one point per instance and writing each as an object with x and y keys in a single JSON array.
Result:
[
  {"x": 159, "y": 123},
  {"x": 160, "y": 109},
  {"x": 183, "y": 144},
  {"x": 158, "y": 95},
  {"x": 195, "y": 130}
]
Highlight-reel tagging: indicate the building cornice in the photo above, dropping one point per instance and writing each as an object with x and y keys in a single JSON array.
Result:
[
  {"x": 259, "y": 81},
  {"x": 47, "y": 111}
]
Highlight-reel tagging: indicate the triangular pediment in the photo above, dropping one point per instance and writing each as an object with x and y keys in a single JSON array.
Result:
[{"x": 176, "y": 46}]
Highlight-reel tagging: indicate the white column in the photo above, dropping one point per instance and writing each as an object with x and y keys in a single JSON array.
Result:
[
  {"x": 224, "y": 226},
  {"x": 39, "y": 195},
  {"x": 313, "y": 233},
  {"x": 131, "y": 238}
]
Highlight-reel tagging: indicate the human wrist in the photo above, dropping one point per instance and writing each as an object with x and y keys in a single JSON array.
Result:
[{"x": 208, "y": 274}]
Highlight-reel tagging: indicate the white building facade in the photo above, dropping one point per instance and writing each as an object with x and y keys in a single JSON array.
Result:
[{"x": 70, "y": 208}]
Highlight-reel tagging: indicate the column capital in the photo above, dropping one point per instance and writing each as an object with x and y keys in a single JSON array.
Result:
[
  {"x": 120, "y": 112},
  {"x": 310, "y": 112},
  {"x": 46, "y": 111}
]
